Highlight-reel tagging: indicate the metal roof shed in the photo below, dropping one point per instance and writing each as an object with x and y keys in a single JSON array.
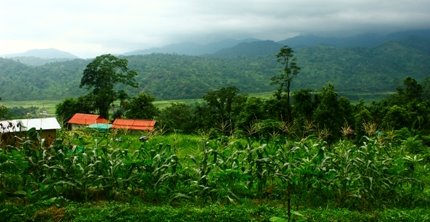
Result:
[
  {"x": 134, "y": 124},
  {"x": 10, "y": 130}
]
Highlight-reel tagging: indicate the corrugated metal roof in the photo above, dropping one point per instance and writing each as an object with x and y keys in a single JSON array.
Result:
[
  {"x": 50, "y": 123},
  {"x": 134, "y": 124},
  {"x": 9, "y": 126},
  {"x": 21, "y": 125},
  {"x": 86, "y": 119}
]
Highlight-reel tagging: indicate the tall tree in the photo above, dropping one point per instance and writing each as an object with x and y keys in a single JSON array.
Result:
[
  {"x": 101, "y": 76},
  {"x": 289, "y": 70}
]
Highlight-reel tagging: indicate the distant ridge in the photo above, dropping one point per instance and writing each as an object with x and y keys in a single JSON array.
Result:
[
  {"x": 192, "y": 49},
  {"x": 256, "y": 47},
  {"x": 251, "y": 49},
  {"x": 362, "y": 40},
  {"x": 49, "y": 53},
  {"x": 38, "y": 57}
]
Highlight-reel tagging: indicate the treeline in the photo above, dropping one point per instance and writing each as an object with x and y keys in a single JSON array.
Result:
[{"x": 320, "y": 113}]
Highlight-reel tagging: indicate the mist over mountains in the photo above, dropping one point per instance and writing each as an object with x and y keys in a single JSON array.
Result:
[
  {"x": 364, "y": 63},
  {"x": 36, "y": 57},
  {"x": 44, "y": 54},
  {"x": 268, "y": 46}
]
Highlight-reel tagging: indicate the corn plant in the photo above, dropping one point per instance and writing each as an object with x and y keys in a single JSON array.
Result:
[
  {"x": 12, "y": 173},
  {"x": 310, "y": 172}
]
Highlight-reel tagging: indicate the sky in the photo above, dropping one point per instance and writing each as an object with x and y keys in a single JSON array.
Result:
[{"x": 87, "y": 28}]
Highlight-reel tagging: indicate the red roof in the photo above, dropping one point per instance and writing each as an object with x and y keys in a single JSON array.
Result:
[
  {"x": 86, "y": 119},
  {"x": 134, "y": 124}
]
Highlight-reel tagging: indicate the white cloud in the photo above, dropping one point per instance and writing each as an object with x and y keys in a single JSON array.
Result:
[{"x": 91, "y": 27}]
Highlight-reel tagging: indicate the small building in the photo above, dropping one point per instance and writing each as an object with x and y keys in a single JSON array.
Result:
[
  {"x": 11, "y": 131},
  {"x": 134, "y": 124},
  {"x": 83, "y": 120}
]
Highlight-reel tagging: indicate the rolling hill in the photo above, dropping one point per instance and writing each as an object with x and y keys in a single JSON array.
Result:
[
  {"x": 37, "y": 57},
  {"x": 247, "y": 65}
]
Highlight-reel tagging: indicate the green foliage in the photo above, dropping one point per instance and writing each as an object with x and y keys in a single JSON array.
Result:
[
  {"x": 66, "y": 109},
  {"x": 141, "y": 107},
  {"x": 251, "y": 112},
  {"x": 13, "y": 166},
  {"x": 224, "y": 105},
  {"x": 115, "y": 211},
  {"x": 19, "y": 112},
  {"x": 289, "y": 70},
  {"x": 225, "y": 178},
  {"x": 87, "y": 166},
  {"x": 406, "y": 108},
  {"x": 177, "y": 117},
  {"x": 332, "y": 113},
  {"x": 102, "y": 75},
  {"x": 426, "y": 89},
  {"x": 3, "y": 112},
  {"x": 411, "y": 91}
]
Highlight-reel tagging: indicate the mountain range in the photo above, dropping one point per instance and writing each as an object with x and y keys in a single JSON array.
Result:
[
  {"x": 222, "y": 47},
  {"x": 36, "y": 57},
  {"x": 366, "y": 63},
  {"x": 190, "y": 48}
]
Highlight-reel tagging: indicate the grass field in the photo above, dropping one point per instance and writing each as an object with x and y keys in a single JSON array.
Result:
[
  {"x": 43, "y": 105},
  {"x": 161, "y": 104}
]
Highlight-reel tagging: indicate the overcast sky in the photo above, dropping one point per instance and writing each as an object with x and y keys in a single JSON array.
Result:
[{"x": 88, "y": 28}]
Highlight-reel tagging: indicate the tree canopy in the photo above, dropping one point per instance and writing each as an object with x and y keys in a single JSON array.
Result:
[
  {"x": 141, "y": 107},
  {"x": 102, "y": 75}
]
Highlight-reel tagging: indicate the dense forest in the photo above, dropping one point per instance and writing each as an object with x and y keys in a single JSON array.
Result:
[{"x": 379, "y": 67}]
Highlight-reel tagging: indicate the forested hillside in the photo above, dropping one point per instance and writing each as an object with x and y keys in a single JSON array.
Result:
[
  {"x": 249, "y": 66},
  {"x": 50, "y": 81}
]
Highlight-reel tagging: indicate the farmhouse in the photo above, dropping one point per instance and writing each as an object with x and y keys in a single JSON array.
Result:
[
  {"x": 134, "y": 124},
  {"x": 83, "y": 120},
  {"x": 12, "y": 130}
]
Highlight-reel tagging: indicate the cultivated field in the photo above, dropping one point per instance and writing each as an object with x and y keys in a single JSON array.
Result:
[{"x": 88, "y": 175}]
